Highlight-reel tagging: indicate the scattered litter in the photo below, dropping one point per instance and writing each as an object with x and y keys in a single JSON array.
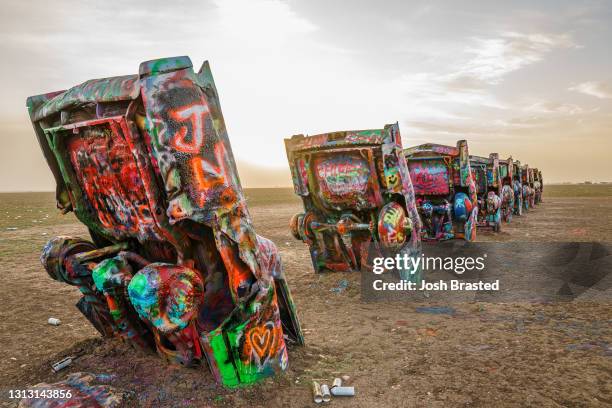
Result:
[
  {"x": 342, "y": 285},
  {"x": 13, "y": 358},
  {"x": 325, "y": 392},
  {"x": 317, "y": 395},
  {"x": 54, "y": 322},
  {"x": 436, "y": 310},
  {"x": 63, "y": 363},
  {"x": 343, "y": 391},
  {"x": 12, "y": 228}
]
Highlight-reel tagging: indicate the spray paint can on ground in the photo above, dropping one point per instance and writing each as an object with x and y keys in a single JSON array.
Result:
[
  {"x": 316, "y": 393},
  {"x": 325, "y": 392},
  {"x": 60, "y": 365}
]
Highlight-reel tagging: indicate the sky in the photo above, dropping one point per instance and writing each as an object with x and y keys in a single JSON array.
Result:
[{"x": 522, "y": 78}]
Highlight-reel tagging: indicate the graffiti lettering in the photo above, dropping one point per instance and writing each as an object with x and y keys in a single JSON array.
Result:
[{"x": 196, "y": 114}]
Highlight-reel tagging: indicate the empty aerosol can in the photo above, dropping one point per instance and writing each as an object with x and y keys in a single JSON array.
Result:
[{"x": 63, "y": 363}]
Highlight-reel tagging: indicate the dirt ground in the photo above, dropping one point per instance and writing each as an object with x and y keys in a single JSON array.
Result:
[{"x": 481, "y": 355}]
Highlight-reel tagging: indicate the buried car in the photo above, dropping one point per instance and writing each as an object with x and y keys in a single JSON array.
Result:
[
  {"x": 145, "y": 162},
  {"x": 528, "y": 190},
  {"x": 507, "y": 191},
  {"x": 488, "y": 189},
  {"x": 445, "y": 190},
  {"x": 538, "y": 186},
  {"x": 357, "y": 195},
  {"x": 517, "y": 186}
]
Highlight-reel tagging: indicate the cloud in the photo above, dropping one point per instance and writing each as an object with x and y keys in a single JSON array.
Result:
[
  {"x": 597, "y": 89},
  {"x": 493, "y": 58},
  {"x": 552, "y": 107},
  {"x": 437, "y": 92},
  {"x": 536, "y": 118},
  {"x": 467, "y": 127},
  {"x": 482, "y": 64}
]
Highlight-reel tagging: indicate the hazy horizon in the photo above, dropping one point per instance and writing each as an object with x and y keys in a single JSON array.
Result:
[{"x": 529, "y": 80}]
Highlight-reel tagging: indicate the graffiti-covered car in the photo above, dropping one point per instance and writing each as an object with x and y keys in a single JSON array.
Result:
[
  {"x": 488, "y": 189},
  {"x": 445, "y": 190},
  {"x": 357, "y": 197},
  {"x": 517, "y": 186},
  {"x": 145, "y": 162},
  {"x": 532, "y": 190},
  {"x": 541, "y": 179},
  {"x": 507, "y": 191},
  {"x": 528, "y": 190},
  {"x": 538, "y": 186}
]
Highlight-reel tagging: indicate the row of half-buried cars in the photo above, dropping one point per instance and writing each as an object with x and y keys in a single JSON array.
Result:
[
  {"x": 174, "y": 264},
  {"x": 361, "y": 191}
]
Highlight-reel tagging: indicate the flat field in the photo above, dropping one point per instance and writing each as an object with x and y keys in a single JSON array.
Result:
[{"x": 481, "y": 355}]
